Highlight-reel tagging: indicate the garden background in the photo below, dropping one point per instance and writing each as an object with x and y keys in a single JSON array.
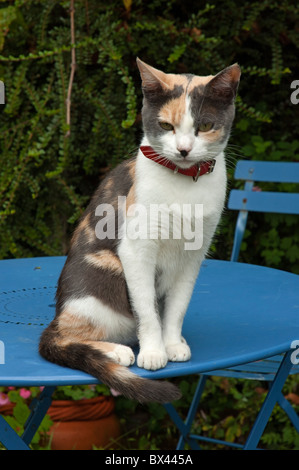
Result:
[{"x": 72, "y": 112}]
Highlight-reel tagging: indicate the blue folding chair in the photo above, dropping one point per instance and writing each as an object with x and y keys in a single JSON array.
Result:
[
  {"x": 274, "y": 369},
  {"x": 234, "y": 317}
]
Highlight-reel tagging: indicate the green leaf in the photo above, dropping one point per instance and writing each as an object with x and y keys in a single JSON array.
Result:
[
  {"x": 21, "y": 412},
  {"x": 7, "y": 16},
  {"x": 177, "y": 52}
]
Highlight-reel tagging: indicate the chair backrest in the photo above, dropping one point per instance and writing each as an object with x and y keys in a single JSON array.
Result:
[{"x": 251, "y": 199}]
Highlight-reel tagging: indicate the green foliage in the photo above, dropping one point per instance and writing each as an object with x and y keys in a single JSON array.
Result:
[
  {"x": 47, "y": 174},
  {"x": 230, "y": 406},
  {"x": 49, "y": 168},
  {"x": 227, "y": 411},
  {"x": 79, "y": 392},
  {"x": 20, "y": 413}
]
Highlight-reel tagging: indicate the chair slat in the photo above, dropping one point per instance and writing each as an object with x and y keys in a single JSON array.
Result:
[
  {"x": 232, "y": 374},
  {"x": 259, "y": 370},
  {"x": 264, "y": 201},
  {"x": 283, "y": 172}
]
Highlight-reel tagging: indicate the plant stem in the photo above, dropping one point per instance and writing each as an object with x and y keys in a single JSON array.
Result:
[{"x": 73, "y": 68}]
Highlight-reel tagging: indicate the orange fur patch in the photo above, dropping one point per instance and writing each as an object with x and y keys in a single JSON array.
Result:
[
  {"x": 112, "y": 367},
  {"x": 108, "y": 186},
  {"x": 101, "y": 346},
  {"x": 199, "y": 81},
  {"x": 213, "y": 136},
  {"x": 86, "y": 228},
  {"x": 105, "y": 259},
  {"x": 173, "y": 80},
  {"x": 132, "y": 167},
  {"x": 180, "y": 80},
  {"x": 174, "y": 110},
  {"x": 72, "y": 328}
]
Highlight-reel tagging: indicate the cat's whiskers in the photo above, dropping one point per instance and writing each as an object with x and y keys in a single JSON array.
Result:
[
  {"x": 161, "y": 158},
  {"x": 157, "y": 155},
  {"x": 131, "y": 153}
]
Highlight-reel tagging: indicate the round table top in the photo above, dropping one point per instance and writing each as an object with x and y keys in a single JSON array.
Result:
[{"x": 238, "y": 313}]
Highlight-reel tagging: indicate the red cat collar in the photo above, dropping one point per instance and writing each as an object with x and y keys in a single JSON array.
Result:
[{"x": 203, "y": 168}]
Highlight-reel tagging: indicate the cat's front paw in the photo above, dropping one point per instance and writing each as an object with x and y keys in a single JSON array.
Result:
[
  {"x": 152, "y": 359},
  {"x": 179, "y": 352}
]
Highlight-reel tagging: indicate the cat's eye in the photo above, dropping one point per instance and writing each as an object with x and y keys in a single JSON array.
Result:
[
  {"x": 205, "y": 127},
  {"x": 166, "y": 126}
]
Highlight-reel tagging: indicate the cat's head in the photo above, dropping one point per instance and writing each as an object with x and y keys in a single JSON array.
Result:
[{"x": 187, "y": 118}]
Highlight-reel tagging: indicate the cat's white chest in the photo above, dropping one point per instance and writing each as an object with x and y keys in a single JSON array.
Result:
[
  {"x": 159, "y": 185},
  {"x": 198, "y": 204}
]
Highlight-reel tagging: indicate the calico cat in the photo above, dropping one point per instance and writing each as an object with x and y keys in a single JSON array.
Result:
[{"x": 117, "y": 291}]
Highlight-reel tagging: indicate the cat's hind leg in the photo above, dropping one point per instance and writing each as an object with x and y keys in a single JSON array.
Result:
[
  {"x": 73, "y": 341},
  {"x": 106, "y": 332}
]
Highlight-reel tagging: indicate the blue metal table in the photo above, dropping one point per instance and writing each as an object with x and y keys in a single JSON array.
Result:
[{"x": 238, "y": 313}]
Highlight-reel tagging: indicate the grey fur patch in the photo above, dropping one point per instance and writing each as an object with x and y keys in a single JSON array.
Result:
[
  {"x": 79, "y": 278},
  {"x": 207, "y": 108}
]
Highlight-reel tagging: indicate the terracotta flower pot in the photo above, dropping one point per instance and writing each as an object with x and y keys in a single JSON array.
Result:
[
  {"x": 7, "y": 410},
  {"x": 82, "y": 424}
]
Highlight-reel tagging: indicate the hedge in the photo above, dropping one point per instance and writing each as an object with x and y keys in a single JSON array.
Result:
[{"x": 54, "y": 151}]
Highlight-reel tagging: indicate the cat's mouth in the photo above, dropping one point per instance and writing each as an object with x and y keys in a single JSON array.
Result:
[
  {"x": 187, "y": 162},
  {"x": 181, "y": 162}
]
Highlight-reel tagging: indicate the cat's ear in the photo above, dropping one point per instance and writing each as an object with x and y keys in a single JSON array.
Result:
[
  {"x": 152, "y": 79},
  {"x": 225, "y": 84}
]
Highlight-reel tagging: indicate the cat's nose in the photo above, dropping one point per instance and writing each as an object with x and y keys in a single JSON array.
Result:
[{"x": 184, "y": 152}]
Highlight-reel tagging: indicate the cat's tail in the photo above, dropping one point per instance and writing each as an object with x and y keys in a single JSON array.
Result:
[{"x": 119, "y": 378}]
